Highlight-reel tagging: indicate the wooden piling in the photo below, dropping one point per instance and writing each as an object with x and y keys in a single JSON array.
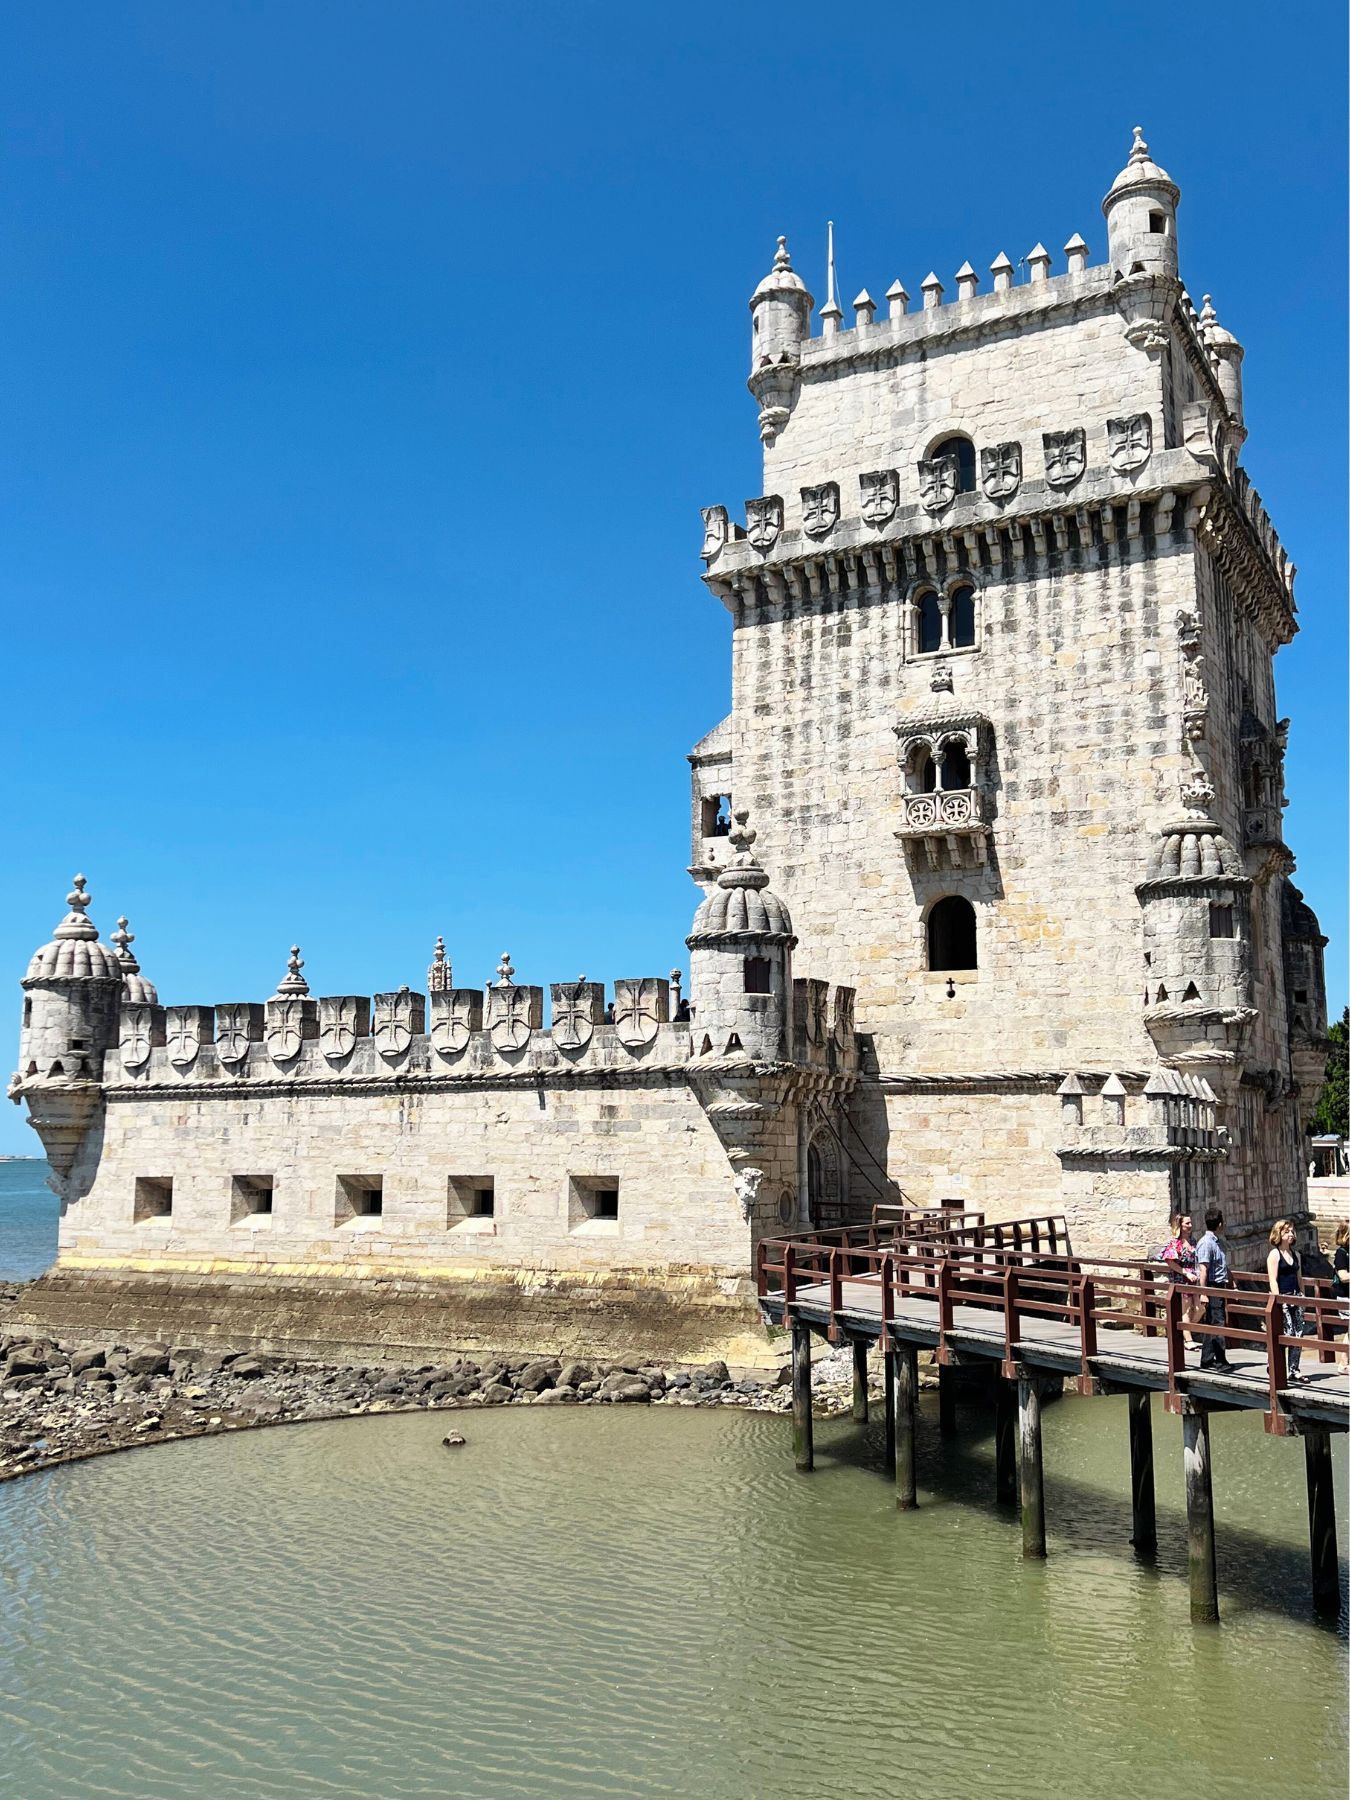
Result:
[
  {"x": 888, "y": 1362},
  {"x": 946, "y": 1401},
  {"x": 1005, "y": 1443},
  {"x": 1032, "y": 1482},
  {"x": 1326, "y": 1575},
  {"x": 1144, "y": 1516},
  {"x": 859, "y": 1382},
  {"x": 1200, "y": 1556},
  {"x": 803, "y": 1448},
  {"x": 906, "y": 1427}
]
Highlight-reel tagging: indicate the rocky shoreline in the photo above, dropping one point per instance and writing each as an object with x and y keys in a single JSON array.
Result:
[{"x": 62, "y": 1402}]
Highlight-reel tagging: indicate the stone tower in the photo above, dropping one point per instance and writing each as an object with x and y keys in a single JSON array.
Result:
[{"x": 1004, "y": 618}]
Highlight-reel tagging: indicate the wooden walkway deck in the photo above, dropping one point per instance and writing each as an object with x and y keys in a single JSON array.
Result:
[{"x": 1014, "y": 1298}]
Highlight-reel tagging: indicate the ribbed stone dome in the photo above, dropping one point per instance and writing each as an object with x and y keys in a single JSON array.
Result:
[
  {"x": 741, "y": 903},
  {"x": 1141, "y": 171},
  {"x": 75, "y": 953},
  {"x": 1196, "y": 850}
]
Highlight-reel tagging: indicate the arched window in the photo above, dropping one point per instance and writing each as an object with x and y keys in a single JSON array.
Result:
[
  {"x": 930, "y": 624},
  {"x": 962, "y": 624},
  {"x": 951, "y": 934},
  {"x": 955, "y": 765},
  {"x": 962, "y": 453},
  {"x": 922, "y": 771}
]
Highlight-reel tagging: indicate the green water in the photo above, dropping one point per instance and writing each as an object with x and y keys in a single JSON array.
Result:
[{"x": 628, "y": 1602}]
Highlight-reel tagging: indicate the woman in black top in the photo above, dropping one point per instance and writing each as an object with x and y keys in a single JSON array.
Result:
[
  {"x": 1340, "y": 1267},
  {"x": 1284, "y": 1271}
]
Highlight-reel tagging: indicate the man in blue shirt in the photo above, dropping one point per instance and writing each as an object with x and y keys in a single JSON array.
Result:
[{"x": 1212, "y": 1267}]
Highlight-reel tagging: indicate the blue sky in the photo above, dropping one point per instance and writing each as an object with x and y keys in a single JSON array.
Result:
[{"x": 365, "y": 367}]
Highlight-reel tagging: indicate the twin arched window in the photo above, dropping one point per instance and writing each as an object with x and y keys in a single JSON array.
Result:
[
  {"x": 951, "y": 934},
  {"x": 946, "y": 621}
]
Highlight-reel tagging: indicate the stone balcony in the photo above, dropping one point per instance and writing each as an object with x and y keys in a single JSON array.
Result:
[{"x": 949, "y": 820}]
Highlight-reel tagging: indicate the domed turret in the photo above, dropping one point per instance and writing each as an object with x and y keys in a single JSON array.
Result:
[
  {"x": 780, "y": 312},
  {"x": 741, "y": 960},
  {"x": 72, "y": 994},
  {"x": 1141, "y": 215},
  {"x": 136, "y": 990},
  {"x": 1227, "y": 353}
]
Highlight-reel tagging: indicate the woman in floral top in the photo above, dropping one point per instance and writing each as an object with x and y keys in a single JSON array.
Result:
[{"x": 1179, "y": 1255}]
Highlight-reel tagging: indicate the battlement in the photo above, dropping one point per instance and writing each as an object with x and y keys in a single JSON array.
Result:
[{"x": 487, "y": 1033}]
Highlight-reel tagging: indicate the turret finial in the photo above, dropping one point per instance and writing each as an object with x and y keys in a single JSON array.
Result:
[
  {"x": 741, "y": 836},
  {"x": 505, "y": 973},
  {"x": 78, "y": 899},
  {"x": 293, "y": 981},
  {"x": 439, "y": 976},
  {"x": 1139, "y": 149},
  {"x": 781, "y": 259},
  {"x": 124, "y": 939},
  {"x": 75, "y": 924}
]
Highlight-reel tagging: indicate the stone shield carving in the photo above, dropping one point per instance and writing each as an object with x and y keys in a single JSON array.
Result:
[
  {"x": 238, "y": 1025},
  {"x": 512, "y": 1014},
  {"x": 574, "y": 1010},
  {"x": 820, "y": 509},
  {"x": 880, "y": 496},
  {"x": 455, "y": 1016},
  {"x": 183, "y": 1035},
  {"x": 1065, "y": 456},
  {"x": 844, "y": 1006},
  {"x": 1001, "y": 470},
  {"x": 939, "y": 478},
  {"x": 398, "y": 1019},
  {"x": 137, "y": 1036},
  {"x": 640, "y": 1009},
  {"x": 1129, "y": 442},
  {"x": 343, "y": 1018},
  {"x": 764, "y": 520},
  {"x": 716, "y": 530},
  {"x": 287, "y": 1028}
]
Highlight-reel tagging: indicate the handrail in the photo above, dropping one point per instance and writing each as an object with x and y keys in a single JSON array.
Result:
[{"x": 1019, "y": 1283}]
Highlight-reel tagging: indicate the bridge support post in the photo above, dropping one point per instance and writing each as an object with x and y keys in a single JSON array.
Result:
[
  {"x": 906, "y": 1427},
  {"x": 888, "y": 1378},
  {"x": 1005, "y": 1442},
  {"x": 803, "y": 1448},
  {"x": 1033, "y": 1485},
  {"x": 1144, "y": 1517},
  {"x": 1326, "y": 1580},
  {"x": 946, "y": 1401},
  {"x": 859, "y": 1383},
  {"x": 1200, "y": 1556}
]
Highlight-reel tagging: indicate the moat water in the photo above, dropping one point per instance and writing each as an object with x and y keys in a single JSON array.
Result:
[{"x": 634, "y": 1602}]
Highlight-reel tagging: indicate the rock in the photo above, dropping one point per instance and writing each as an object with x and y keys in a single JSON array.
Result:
[
  {"x": 391, "y": 1384},
  {"x": 557, "y": 1396},
  {"x": 715, "y": 1373},
  {"x": 438, "y": 1391},
  {"x": 81, "y": 1360},
  {"x": 573, "y": 1374},
  {"x": 24, "y": 1362},
  {"x": 149, "y": 1359},
  {"x": 251, "y": 1368},
  {"x": 496, "y": 1393},
  {"x": 632, "y": 1387},
  {"x": 151, "y": 1422},
  {"x": 262, "y": 1406},
  {"x": 535, "y": 1378},
  {"x": 682, "y": 1380},
  {"x": 453, "y": 1439},
  {"x": 87, "y": 1377}
]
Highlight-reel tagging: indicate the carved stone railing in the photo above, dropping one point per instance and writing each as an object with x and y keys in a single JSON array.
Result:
[{"x": 950, "y": 817}]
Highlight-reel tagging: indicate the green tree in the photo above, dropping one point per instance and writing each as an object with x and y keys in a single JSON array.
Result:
[{"x": 1332, "y": 1112}]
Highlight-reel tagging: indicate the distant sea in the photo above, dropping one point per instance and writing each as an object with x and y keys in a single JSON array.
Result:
[{"x": 29, "y": 1212}]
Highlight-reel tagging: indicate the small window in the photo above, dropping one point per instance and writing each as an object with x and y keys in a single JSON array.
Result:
[
  {"x": 359, "y": 1197},
  {"x": 955, "y": 767},
  {"x": 922, "y": 771},
  {"x": 1221, "y": 921},
  {"x": 250, "y": 1199},
  {"x": 153, "y": 1198},
  {"x": 963, "y": 618},
  {"x": 930, "y": 625},
  {"x": 757, "y": 973},
  {"x": 471, "y": 1202},
  {"x": 28, "y": 1009},
  {"x": 717, "y": 815},
  {"x": 951, "y": 934},
  {"x": 593, "y": 1204},
  {"x": 962, "y": 453},
  {"x": 1157, "y": 224}
]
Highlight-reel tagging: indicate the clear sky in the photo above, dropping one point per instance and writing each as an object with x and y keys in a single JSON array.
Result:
[{"x": 365, "y": 367}]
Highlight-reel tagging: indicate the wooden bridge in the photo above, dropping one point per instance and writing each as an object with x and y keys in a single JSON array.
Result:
[{"x": 1013, "y": 1298}]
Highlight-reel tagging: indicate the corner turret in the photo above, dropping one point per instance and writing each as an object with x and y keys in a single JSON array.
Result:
[
  {"x": 72, "y": 995},
  {"x": 741, "y": 961},
  {"x": 780, "y": 313},
  {"x": 1141, "y": 216}
]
